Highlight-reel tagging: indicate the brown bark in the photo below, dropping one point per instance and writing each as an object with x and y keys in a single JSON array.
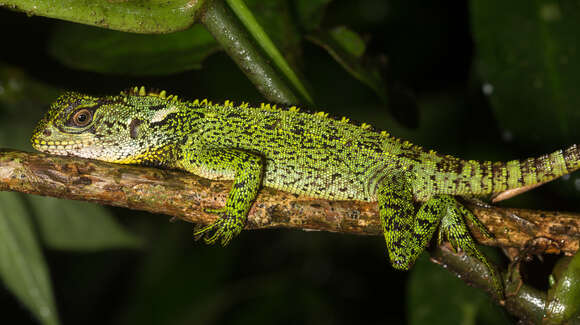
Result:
[{"x": 185, "y": 196}]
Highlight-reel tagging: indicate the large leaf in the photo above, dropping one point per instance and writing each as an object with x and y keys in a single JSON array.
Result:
[
  {"x": 144, "y": 16},
  {"x": 112, "y": 52},
  {"x": 73, "y": 225},
  {"x": 22, "y": 266},
  {"x": 527, "y": 55}
]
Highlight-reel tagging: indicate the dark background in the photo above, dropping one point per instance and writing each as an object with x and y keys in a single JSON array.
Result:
[{"x": 435, "y": 71}]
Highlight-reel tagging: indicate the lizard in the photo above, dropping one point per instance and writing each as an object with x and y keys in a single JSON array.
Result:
[{"x": 299, "y": 152}]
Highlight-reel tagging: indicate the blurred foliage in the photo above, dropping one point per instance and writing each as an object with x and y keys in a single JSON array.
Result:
[
  {"x": 22, "y": 267},
  {"x": 112, "y": 52},
  {"x": 480, "y": 79},
  {"x": 527, "y": 57},
  {"x": 78, "y": 226},
  {"x": 347, "y": 48}
]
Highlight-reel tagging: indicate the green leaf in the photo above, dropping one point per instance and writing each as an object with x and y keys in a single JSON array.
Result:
[
  {"x": 22, "y": 265},
  {"x": 73, "y": 225},
  {"x": 275, "y": 16},
  {"x": 257, "y": 31},
  {"x": 144, "y": 16},
  {"x": 436, "y": 296},
  {"x": 528, "y": 59},
  {"x": 348, "y": 40},
  {"x": 346, "y": 47},
  {"x": 111, "y": 52}
]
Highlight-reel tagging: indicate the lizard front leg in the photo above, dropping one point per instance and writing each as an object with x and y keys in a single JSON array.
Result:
[{"x": 245, "y": 169}]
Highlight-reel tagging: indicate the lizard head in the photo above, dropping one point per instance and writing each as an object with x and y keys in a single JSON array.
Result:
[{"x": 107, "y": 128}]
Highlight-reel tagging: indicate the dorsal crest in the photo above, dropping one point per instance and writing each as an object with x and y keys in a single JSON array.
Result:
[{"x": 143, "y": 92}]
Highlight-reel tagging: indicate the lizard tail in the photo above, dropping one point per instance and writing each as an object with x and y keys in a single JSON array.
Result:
[
  {"x": 501, "y": 179},
  {"x": 507, "y": 179}
]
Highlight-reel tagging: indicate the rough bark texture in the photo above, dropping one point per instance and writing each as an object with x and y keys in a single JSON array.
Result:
[{"x": 185, "y": 196}]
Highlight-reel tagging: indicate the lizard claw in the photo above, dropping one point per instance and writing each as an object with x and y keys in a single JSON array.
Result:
[
  {"x": 224, "y": 229},
  {"x": 478, "y": 224}
]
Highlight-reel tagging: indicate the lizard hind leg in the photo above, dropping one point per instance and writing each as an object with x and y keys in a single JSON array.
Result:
[
  {"x": 453, "y": 225},
  {"x": 407, "y": 234}
]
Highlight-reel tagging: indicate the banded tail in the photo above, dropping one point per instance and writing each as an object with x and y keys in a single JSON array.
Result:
[
  {"x": 505, "y": 179},
  {"x": 535, "y": 172}
]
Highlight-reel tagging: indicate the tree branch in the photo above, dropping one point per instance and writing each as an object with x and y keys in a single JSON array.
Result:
[{"x": 185, "y": 196}]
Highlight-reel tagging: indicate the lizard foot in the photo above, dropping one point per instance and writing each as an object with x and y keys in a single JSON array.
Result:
[
  {"x": 224, "y": 229},
  {"x": 454, "y": 229}
]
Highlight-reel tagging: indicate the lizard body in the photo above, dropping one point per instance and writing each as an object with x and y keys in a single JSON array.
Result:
[{"x": 293, "y": 151}]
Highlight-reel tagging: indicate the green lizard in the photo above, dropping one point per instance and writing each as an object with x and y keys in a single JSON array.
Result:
[{"x": 297, "y": 152}]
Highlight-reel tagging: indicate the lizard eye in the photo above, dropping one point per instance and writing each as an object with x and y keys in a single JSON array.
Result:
[{"x": 82, "y": 117}]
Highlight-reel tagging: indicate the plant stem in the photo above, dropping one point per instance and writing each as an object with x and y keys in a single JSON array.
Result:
[
  {"x": 247, "y": 18},
  {"x": 228, "y": 30}
]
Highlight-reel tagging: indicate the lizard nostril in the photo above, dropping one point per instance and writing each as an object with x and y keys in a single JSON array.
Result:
[{"x": 46, "y": 133}]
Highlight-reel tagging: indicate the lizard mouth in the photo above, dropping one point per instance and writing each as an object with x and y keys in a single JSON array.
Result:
[{"x": 58, "y": 147}]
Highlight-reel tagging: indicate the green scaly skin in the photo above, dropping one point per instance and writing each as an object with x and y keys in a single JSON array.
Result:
[{"x": 302, "y": 153}]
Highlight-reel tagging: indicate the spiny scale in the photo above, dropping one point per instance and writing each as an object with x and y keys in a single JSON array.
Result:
[{"x": 142, "y": 91}]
